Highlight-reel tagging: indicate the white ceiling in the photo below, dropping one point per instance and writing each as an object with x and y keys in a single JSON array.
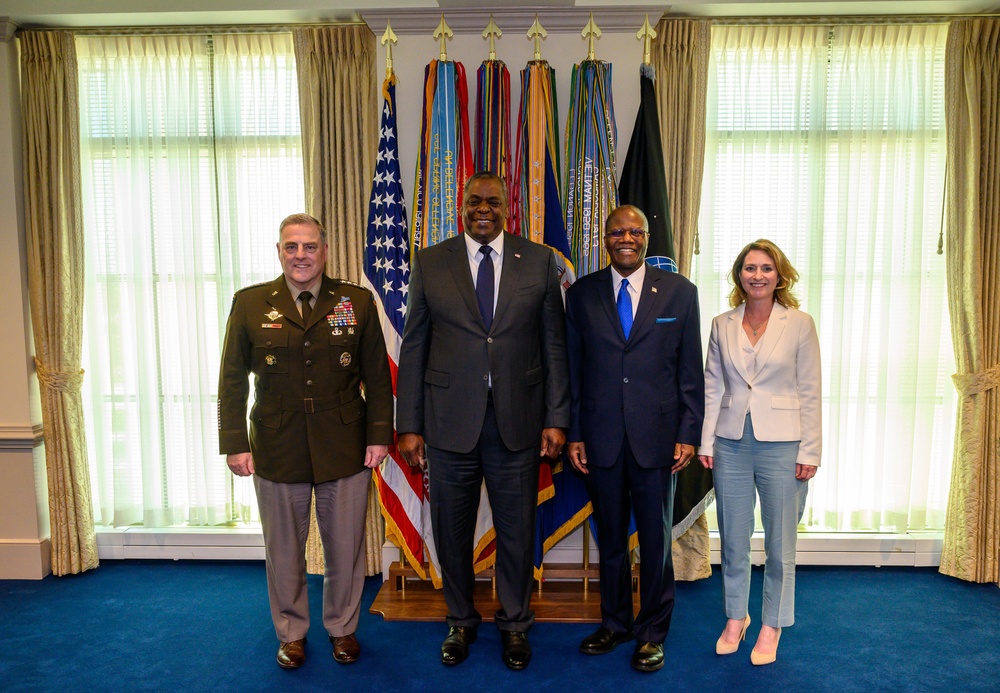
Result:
[{"x": 83, "y": 13}]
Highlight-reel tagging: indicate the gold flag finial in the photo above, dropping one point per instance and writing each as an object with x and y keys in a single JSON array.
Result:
[
  {"x": 537, "y": 33},
  {"x": 492, "y": 32},
  {"x": 388, "y": 39},
  {"x": 443, "y": 32},
  {"x": 590, "y": 32},
  {"x": 646, "y": 34}
]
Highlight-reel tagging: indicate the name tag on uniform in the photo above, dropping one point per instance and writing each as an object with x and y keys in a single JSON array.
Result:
[
  {"x": 271, "y": 325},
  {"x": 663, "y": 320}
]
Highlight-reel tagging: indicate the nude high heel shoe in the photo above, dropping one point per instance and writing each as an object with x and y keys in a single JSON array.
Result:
[
  {"x": 759, "y": 658},
  {"x": 723, "y": 648}
]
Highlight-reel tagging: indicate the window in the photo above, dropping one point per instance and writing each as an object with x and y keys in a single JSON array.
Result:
[
  {"x": 830, "y": 141},
  {"x": 190, "y": 158}
]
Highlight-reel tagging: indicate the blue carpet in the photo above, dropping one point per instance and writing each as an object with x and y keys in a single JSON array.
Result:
[{"x": 205, "y": 626}]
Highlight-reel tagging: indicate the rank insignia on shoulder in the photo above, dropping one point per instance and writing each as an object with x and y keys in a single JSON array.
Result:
[{"x": 270, "y": 359}]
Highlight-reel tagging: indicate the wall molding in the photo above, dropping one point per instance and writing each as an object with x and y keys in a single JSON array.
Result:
[
  {"x": 512, "y": 20},
  {"x": 7, "y": 30},
  {"x": 21, "y": 437}
]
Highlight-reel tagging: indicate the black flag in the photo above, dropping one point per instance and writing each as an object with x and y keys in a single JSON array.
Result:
[{"x": 643, "y": 182}]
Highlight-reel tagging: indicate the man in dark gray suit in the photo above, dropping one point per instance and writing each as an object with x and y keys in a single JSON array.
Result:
[
  {"x": 483, "y": 381},
  {"x": 638, "y": 388}
]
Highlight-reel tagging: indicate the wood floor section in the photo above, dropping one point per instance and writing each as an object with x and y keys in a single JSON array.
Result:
[{"x": 563, "y": 602}]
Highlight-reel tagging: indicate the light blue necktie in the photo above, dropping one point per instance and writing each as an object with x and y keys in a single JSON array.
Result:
[{"x": 625, "y": 308}]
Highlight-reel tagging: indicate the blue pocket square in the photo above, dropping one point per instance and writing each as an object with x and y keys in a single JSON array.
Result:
[{"x": 662, "y": 320}]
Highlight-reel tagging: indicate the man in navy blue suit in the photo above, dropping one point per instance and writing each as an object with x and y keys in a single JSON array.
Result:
[{"x": 638, "y": 400}]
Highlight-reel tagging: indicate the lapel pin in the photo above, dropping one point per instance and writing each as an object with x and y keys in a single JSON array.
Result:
[{"x": 654, "y": 289}]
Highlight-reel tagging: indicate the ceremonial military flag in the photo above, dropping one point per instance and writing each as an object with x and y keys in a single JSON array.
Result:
[
  {"x": 401, "y": 488},
  {"x": 536, "y": 207},
  {"x": 643, "y": 182},
  {"x": 493, "y": 119},
  {"x": 444, "y": 159},
  {"x": 591, "y": 189},
  {"x": 537, "y": 213},
  {"x": 444, "y": 163}
]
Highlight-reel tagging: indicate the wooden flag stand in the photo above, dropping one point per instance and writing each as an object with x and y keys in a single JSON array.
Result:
[{"x": 564, "y": 594}]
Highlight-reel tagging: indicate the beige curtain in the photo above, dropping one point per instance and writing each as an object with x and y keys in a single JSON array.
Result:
[
  {"x": 54, "y": 224},
  {"x": 338, "y": 102},
  {"x": 680, "y": 55},
  {"x": 971, "y": 548}
]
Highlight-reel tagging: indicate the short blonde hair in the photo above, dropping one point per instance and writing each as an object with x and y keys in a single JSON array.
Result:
[{"x": 787, "y": 275}]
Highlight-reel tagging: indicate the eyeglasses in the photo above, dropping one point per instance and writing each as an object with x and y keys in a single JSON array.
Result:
[{"x": 620, "y": 233}]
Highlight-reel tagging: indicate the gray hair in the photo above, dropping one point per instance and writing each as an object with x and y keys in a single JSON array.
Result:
[{"x": 302, "y": 218}]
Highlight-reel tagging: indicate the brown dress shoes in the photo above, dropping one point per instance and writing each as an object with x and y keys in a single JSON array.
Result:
[
  {"x": 292, "y": 655},
  {"x": 346, "y": 648}
]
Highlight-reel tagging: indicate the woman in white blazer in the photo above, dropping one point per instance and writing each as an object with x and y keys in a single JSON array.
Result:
[{"x": 762, "y": 435}]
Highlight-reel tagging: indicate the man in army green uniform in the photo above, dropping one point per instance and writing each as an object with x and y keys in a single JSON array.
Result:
[{"x": 312, "y": 343}]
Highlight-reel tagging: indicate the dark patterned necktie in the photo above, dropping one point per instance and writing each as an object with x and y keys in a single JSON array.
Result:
[{"x": 484, "y": 286}]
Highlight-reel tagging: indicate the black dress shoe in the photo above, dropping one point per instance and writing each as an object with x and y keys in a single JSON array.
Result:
[
  {"x": 648, "y": 656},
  {"x": 291, "y": 655},
  {"x": 455, "y": 647},
  {"x": 516, "y": 649},
  {"x": 346, "y": 649},
  {"x": 602, "y": 641}
]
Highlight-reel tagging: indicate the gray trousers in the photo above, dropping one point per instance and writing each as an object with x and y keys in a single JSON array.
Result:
[
  {"x": 743, "y": 469},
  {"x": 341, "y": 506}
]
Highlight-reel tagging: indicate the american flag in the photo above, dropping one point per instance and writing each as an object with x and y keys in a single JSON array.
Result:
[{"x": 402, "y": 490}]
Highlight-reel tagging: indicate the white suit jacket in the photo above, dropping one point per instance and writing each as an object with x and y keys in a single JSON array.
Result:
[{"x": 783, "y": 398}]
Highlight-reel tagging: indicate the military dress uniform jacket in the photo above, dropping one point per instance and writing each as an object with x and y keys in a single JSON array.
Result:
[{"x": 309, "y": 422}]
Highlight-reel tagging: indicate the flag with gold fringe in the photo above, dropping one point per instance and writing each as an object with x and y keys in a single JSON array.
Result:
[
  {"x": 444, "y": 163},
  {"x": 537, "y": 213},
  {"x": 401, "y": 488}
]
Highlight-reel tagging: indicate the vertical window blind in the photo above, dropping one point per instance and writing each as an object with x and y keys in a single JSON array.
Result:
[
  {"x": 830, "y": 142},
  {"x": 190, "y": 157}
]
